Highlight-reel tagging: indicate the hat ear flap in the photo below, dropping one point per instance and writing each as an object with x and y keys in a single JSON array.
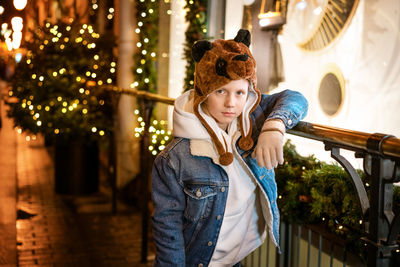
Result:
[
  {"x": 243, "y": 36},
  {"x": 200, "y": 48}
]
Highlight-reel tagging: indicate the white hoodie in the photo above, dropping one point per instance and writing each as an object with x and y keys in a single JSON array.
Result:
[{"x": 243, "y": 226}]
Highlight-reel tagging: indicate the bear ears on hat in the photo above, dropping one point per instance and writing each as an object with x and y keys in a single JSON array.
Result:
[{"x": 201, "y": 47}]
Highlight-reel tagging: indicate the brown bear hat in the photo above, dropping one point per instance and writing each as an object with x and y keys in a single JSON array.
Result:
[{"x": 217, "y": 64}]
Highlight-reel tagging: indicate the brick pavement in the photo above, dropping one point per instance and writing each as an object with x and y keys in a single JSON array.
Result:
[
  {"x": 69, "y": 231},
  {"x": 8, "y": 251}
]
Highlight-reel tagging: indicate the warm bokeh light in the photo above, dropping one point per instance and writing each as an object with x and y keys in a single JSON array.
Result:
[
  {"x": 17, "y": 24},
  {"x": 4, "y": 29},
  {"x": 20, "y": 4}
]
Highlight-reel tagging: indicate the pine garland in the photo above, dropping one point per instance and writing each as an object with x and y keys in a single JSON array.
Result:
[
  {"x": 145, "y": 70},
  {"x": 197, "y": 29},
  {"x": 314, "y": 192}
]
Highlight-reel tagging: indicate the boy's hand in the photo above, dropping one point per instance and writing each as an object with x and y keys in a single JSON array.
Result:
[{"x": 269, "y": 149}]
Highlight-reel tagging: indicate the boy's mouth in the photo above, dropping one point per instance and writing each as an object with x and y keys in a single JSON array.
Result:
[{"x": 228, "y": 114}]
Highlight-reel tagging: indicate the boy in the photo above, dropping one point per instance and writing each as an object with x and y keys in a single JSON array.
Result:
[{"x": 213, "y": 186}]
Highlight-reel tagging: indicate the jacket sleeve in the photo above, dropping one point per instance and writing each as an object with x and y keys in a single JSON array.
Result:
[
  {"x": 289, "y": 106},
  {"x": 169, "y": 202}
]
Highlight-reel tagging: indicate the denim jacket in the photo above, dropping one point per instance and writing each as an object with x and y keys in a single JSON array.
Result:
[{"x": 190, "y": 192}]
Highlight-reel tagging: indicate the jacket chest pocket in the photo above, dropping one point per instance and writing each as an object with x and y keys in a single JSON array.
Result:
[{"x": 199, "y": 200}]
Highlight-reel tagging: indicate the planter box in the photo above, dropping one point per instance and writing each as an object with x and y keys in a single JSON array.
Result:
[{"x": 76, "y": 167}]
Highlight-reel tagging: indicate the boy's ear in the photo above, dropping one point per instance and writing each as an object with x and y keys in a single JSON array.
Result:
[
  {"x": 243, "y": 36},
  {"x": 200, "y": 48}
]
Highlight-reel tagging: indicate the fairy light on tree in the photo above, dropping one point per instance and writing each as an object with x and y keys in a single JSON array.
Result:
[
  {"x": 51, "y": 82},
  {"x": 197, "y": 29},
  {"x": 158, "y": 133},
  {"x": 145, "y": 72}
]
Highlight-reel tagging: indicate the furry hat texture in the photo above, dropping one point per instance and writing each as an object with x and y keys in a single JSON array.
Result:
[{"x": 218, "y": 63}]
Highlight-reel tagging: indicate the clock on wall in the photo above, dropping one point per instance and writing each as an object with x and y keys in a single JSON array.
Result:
[{"x": 318, "y": 22}]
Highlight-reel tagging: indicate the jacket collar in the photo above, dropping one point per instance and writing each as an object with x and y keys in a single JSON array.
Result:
[{"x": 204, "y": 148}]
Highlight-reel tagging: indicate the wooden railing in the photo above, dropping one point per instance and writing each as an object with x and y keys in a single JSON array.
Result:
[{"x": 381, "y": 158}]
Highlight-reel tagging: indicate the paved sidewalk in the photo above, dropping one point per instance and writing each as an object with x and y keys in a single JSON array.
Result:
[
  {"x": 8, "y": 251},
  {"x": 57, "y": 230}
]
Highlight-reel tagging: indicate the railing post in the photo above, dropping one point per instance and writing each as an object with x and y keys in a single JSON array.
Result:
[
  {"x": 381, "y": 224},
  {"x": 145, "y": 171},
  {"x": 112, "y": 172},
  {"x": 112, "y": 168},
  {"x": 382, "y": 174}
]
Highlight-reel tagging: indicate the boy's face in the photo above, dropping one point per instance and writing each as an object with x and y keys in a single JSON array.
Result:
[{"x": 227, "y": 102}]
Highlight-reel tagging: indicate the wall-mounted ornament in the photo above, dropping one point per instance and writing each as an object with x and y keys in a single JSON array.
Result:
[
  {"x": 331, "y": 90},
  {"x": 319, "y": 22}
]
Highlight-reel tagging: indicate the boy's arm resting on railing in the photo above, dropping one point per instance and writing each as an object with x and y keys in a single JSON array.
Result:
[
  {"x": 276, "y": 113},
  {"x": 289, "y": 106}
]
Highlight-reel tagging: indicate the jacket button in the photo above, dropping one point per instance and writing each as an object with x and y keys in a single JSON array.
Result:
[
  {"x": 198, "y": 193},
  {"x": 289, "y": 122},
  {"x": 209, "y": 243},
  {"x": 219, "y": 217},
  {"x": 222, "y": 189},
  {"x": 200, "y": 265}
]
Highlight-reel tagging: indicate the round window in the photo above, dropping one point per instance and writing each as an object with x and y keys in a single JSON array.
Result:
[{"x": 330, "y": 94}]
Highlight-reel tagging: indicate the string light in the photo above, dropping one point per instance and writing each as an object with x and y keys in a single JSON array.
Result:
[{"x": 159, "y": 135}]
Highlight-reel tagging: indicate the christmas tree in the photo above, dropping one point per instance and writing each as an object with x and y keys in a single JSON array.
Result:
[{"x": 58, "y": 87}]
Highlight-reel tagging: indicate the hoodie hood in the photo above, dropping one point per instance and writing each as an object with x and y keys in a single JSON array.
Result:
[{"x": 186, "y": 123}]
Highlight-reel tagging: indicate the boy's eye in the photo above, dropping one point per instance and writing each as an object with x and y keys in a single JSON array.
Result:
[
  {"x": 241, "y": 92},
  {"x": 220, "y": 91}
]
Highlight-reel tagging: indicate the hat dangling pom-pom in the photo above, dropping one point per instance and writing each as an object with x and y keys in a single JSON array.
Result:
[
  {"x": 246, "y": 143},
  {"x": 226, "y": 158}
]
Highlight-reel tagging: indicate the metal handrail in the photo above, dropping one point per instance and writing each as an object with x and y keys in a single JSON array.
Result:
[
  {"x": 143, "y": 94},
  {"x": 390, "y": 146}
]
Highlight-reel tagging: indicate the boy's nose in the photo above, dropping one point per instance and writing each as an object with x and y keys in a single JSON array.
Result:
[{"x": 230, "y": 100}]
